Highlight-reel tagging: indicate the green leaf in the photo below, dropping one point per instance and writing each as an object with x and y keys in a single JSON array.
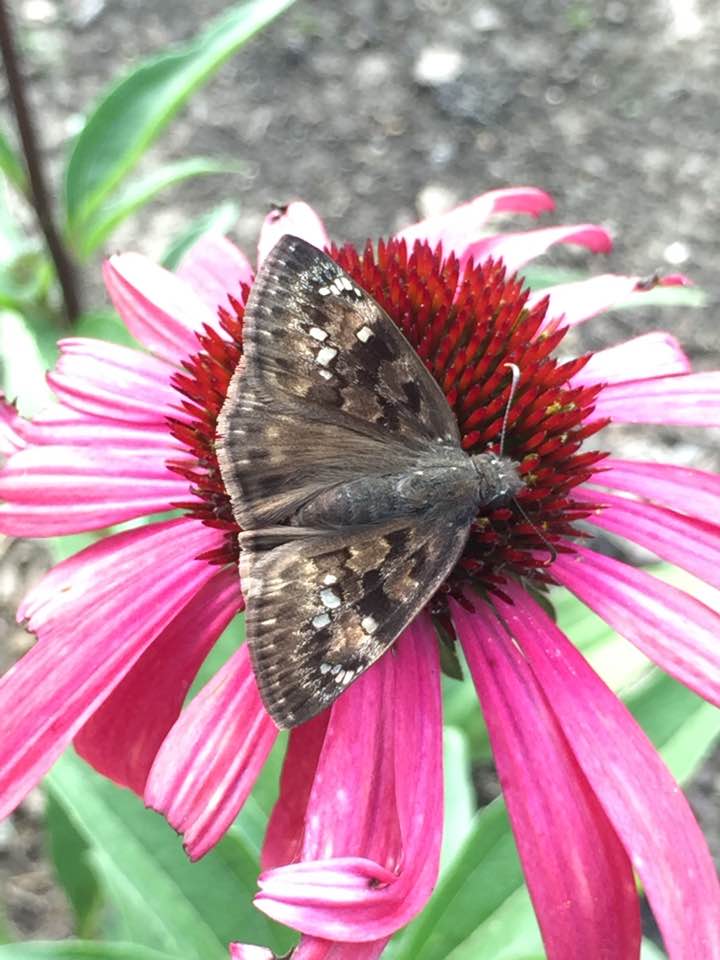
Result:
[
  {"x": 649, "y": 951},
  {"x": 139, "y": 192},
  {"x": 162, "y": 900},
  {"x": 510, "y": 933},
  {"x": 460, "y": 802},
  {"x": 483, "y": 875},
  {"x": 104, "y": 325},
  {"x": 69, "y": 854},
  {"x": 134, "y": 112},
  {"x": 80, "y": 950},
  {"x": 11, "y": 165},
  {"x": 682, "y": 726},
  {"x": 22, "y": 364},
  {"x": 219, "y": 220}
]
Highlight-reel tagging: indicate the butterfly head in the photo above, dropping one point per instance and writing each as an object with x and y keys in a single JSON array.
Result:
[{"x": 499, "y": 480}]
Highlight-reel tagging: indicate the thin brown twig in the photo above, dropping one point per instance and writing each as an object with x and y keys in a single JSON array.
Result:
[{"x": 40, "y": 197}]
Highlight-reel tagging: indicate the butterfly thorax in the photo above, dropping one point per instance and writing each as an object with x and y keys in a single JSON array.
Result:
[{"x": 498, "y": 478}]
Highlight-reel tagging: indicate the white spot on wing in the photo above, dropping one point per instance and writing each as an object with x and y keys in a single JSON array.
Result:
[
  {"x": 325, "y": 355},
  {"x": 317, "y": 334},
  {"x": 329, "y": 579},
  {"x": 321, "y": 620},
  {"x": 325, "y": 374},
  {"x": 330, "y": 600},
  {"x": 369, "y": 624},
  {"x": 324, "y": 291},
  {"x": 364, "y": 334}
]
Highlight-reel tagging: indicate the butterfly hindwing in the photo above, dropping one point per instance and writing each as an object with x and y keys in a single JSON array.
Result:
[
  {"x": 328, "y": 389},
  {"x": 323, "y": 606}
]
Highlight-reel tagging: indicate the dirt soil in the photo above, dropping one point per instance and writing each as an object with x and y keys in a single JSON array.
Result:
[{"x": 378, "y": 113}]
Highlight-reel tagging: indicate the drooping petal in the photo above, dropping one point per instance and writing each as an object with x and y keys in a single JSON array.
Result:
[
  {"x": 692, "y": 400},
  {"x": 312, "y": 948},
  {"x": 642, "y": 801},
  {"x": 94, "y": 615},
  {"x": 583, "y": 299},
  {"x": 689, "y": 491},
  {"x": 517, "y": 249},
  {"x": 655, "y": 354},
  {"x": 284, "y": 834},
  {"x": 159, "y": 309},
  {"x": 375, "y": 809},
  {"x": 114, "y": 382},
  {"x": 298, "y": 219},
  {"x": 462, "y": 226},
  {"x": 11, "y": 428},
  {"x": 687, "y": 542},
  {"x": 578, "y": 874},
  {"x": 214, "y": 267},
  {"x": 123, "y": 736},
  {"x": 210, "y": 759},
  {"x": 51, "y": 490},
  {"x": 674, "y": 629}
]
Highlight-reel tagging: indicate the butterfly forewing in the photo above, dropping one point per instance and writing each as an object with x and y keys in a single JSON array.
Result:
[{"x": 326, "y": 378}]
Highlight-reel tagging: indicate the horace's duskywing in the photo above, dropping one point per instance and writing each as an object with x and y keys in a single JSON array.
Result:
[{"x": 343, "y": 463}]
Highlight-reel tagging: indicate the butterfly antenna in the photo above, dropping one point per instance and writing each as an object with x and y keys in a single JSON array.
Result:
[
  {"x": 515, "y": 371},
  {"x": 549, "y": 547}
]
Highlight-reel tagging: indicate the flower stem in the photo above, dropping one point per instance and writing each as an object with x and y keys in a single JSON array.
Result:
[{"x": 40, "y": 197}]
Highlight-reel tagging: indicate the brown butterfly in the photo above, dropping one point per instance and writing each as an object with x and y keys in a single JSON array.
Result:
[{"x": 343, "y": 463}]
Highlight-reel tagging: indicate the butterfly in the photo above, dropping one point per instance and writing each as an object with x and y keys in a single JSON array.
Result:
[{"x": 346, "y": 476}]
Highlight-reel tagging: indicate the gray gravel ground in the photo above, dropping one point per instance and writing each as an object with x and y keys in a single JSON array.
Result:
[{"x": 378, "y": 113}]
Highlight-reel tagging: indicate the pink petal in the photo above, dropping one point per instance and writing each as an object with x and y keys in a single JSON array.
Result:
[
  {"x": 692, "y": 400},
  {"x": 691, "y": 544},
  {"x": 516, "y": 249},
  {"x": 210, "y": 760},
  {"x": 214, "y": 267},
  {"x": 693, "y": 492},
  {"x": 298, "y": 219},
  {"x": 674, "y": 629},
  {"x": 248, "y": 951},
  {"x": 94, "y": 614},
  {"x": 11, "y": 428},
  {"x": 654, "y": 354},
  {"x": 123, "y": 736},
  {"x": 375, "y": 809},
  {"x": 312, "y": 948},
  {"x": 643, "y": 802},
  {"x": 52, "y": 490},
  {"x": 106, "y": 380},
  {"x": 460, "y": 227},
  {"x": 582, "y": 299},
  {"x": 60, "y": 426},
  {"x": 160, "y": 310},
  {"x": 284, "y": 834},
  {"x": 578, "y": 874},
  {"x": 578, "y": 301}
]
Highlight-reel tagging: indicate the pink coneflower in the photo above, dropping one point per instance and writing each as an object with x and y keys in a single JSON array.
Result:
[{"x": 352, "y": 847}]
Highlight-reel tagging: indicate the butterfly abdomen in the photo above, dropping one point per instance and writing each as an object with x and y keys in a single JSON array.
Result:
[{"x": 411, "y": 493}]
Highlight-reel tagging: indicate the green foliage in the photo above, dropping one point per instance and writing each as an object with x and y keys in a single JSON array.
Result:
[
  {"x": 158, "y": 898},
  {"x": 81, "y": 950},
  {"x": 11, "y": 164},
  {"x": 135, "y": 111}
]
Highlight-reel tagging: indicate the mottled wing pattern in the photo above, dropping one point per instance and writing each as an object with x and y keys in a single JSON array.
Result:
[
  {"x": 328, "y": 389},
  {"x": 325, "y": 606}
]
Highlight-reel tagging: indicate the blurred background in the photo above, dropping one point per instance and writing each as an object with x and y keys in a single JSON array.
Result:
[{"x": 382, "y": 113}]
